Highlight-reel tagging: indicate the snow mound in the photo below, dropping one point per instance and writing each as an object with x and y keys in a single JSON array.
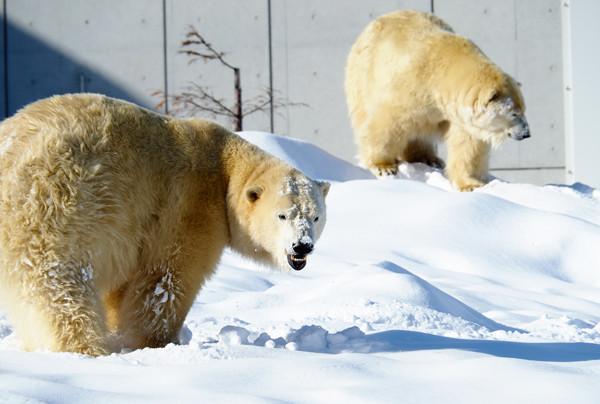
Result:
[
  {"x": 308, "y": 158},
  {"x": 413, "y": 291}
]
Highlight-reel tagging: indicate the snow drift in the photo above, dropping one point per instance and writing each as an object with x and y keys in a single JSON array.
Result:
[{"x": 414, "y": 293}]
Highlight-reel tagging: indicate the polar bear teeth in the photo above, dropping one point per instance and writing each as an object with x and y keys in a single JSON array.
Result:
[{"x": 296, "y": 261}]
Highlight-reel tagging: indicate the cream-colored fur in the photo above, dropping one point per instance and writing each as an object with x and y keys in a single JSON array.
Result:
[
  {"x": 410, "y": 80},
  {"x": 112, "y": 217}
]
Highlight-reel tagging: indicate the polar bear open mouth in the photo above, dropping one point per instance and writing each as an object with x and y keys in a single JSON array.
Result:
[{"x": 296, "y": 261}]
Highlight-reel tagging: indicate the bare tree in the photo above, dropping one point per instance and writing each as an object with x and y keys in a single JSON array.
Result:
[{"x": 197, "y": 99}]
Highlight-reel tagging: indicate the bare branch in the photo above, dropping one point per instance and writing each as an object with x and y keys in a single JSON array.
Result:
[
  {"x": 198, "y": 100},
  {"x": 203, "y": 43}
]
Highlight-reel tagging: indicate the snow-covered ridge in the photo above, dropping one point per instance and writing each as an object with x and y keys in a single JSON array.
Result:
[{"x": 413, "y": 291}]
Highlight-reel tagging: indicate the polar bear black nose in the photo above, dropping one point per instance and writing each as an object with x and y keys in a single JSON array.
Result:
[{"x": 302, "y": 248}]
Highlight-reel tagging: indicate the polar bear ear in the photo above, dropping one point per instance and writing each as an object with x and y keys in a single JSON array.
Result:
[
  {"x": 324, "y": 187},
  {"x": 492, "y": 95},
  {"x": 253, "y": 192}
]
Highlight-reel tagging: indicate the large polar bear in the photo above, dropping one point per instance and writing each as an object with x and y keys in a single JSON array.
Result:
[
  {"x": 112, "y": 217},
  {"x": 410, "y": 80}
]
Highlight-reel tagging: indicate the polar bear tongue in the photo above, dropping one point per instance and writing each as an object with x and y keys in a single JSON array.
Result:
[{"x": 297, "y": 261}]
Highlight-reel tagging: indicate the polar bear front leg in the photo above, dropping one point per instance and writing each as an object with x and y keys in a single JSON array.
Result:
[
  {"x": 467, "y": 166},
  {"x": 380, "y": 144},
  {"x": 377, "y": 157}
]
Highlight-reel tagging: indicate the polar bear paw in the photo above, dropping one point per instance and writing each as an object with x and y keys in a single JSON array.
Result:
[
  {"x": 435, "y": 162},
  {"x": 468, "y": 185},
  {"x": 385, "y": 170}
]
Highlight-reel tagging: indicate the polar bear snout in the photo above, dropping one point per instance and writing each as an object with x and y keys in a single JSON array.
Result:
[
  {"x": 520, "y": 131},
  {"x": 297, "y": 260},
  {"x": 302, "y": 248}
]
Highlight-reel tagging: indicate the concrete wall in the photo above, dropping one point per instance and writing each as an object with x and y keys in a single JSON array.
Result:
[
  {"x": 312, "y": 39},
  {"x": 238, "y": 28},
  {"x": 523, "y": 38},
  {"x": 582, "y": 64},
  {"x": 130, "y": 49},
  {"x": 61, "y": 46}
]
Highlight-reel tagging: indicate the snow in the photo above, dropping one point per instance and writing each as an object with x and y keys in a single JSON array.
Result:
[{"x": 415, "y": 293}]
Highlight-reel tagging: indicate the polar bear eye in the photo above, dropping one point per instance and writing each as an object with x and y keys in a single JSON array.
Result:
[
  {"x": 282, "y": 216},
  {"x": 316, "y": 219}
]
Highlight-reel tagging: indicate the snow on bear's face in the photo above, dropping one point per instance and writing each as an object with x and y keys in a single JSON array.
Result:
[
  {"x": 289, "y": 218},
  {"x": 502, "y": 116}
]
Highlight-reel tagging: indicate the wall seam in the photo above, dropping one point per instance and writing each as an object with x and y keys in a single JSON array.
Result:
[
  {"x": 272, "y": 121},
  {"x": 165, "y": 61},
  {"x": 569, "y": 131},
  {"x": 5, "y": 56}
]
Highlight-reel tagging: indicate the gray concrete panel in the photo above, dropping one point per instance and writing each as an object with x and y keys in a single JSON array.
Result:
[
  {"x": 539, "y": 55},
  {"x": 584, "y": 86},
  {"x": 490, "y": 24},
  {"x": 311, "y": 41},
  {"x": 524, "y": 39},
  {"x": 117, "y": 47},
  {"x": 113, "y": 47},
  {"x": 540, "y": 176}
]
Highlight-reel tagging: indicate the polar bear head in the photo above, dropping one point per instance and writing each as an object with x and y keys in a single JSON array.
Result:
[
  {"x": 285, "y": 217},
  {"x": 500, "y": 113}
]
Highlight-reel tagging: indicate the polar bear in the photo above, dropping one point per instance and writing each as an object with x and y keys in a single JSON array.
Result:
[
  {"x": 410, "y": 79},
  {"x": 112, "y": 217}
]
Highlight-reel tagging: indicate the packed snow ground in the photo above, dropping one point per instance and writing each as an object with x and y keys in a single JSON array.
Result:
[{"x": 415, "y": 293}]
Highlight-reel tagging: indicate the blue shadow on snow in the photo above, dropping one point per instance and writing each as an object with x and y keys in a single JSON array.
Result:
[{"x": 407, "y": 341}]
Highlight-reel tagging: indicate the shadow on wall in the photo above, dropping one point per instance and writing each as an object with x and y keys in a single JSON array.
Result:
[{"x": 33, "y": 70}]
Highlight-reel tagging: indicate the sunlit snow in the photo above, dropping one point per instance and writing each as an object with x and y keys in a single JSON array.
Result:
[{"x": 414, "y": 293}]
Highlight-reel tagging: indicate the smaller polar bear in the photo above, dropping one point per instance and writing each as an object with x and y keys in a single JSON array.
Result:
[
  {"x": 410, "y": 80},
  {"x": 112, "y": 217}
]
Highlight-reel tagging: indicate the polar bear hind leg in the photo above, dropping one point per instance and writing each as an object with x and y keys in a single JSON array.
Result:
[
  {"x": 60, "y": 311},
  {"x": 422, "y": 151}
]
